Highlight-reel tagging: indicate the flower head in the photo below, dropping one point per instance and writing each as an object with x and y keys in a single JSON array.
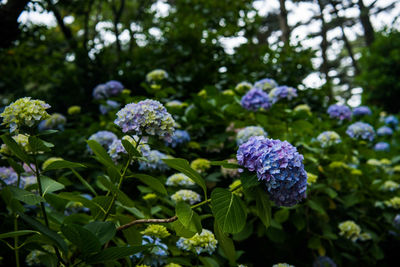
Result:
[
  {"x": 55, "y": 121},
  {"x": 311, "y": 178},
  {"x": 109, "y": 106},
  {"x": 146, "y": 117},
  {"x": 199, "y": 243},
  {"x": 153, "y": 161},
  {"x": 243, "y": 87},
  {"x": 392, "y": 121},
  {"x": 73, "y": 110},
  {"x": 362, "y": 111},
  {"x": 8, "y": 175},
  {"x": 361, "y": 130},
  {"x": 390, "y": 186},
  {"x": 156, "y": 230},
  {"x": 104, "y": 138},
  {"x": 179, "y": 179},
  {"x": 279, "y": 165},
  {"x": 156, "y": 76},
  {"x": 255, "y": 99},
  {"x": 340, "y": 112},
  {"x": 186, "y": 195},
  {"x": 158, "y": 252},
  {"x": 384, "y": 131},
  {"x": 244, "y": 134},
  {"x": 382, "y": 146},
  {"x": 24, "y": 112},
  {"x": 179, "y": 137},
  {"x": 173, "y": 265},
  {"x": 266, "y": 84},
  {"x": 22, "y": 140},
  {"x": 175, "y": 104},
  {"x": 282, "y": 92},
  {"x": 303, "y": 108},
  {"x": 200, "y": 165},
  {"x": 328, "y": 138},
  {"x": 394, "y": 202},
  {"x": 350, "y": 230},
  {"x": 109, "y": 89}
]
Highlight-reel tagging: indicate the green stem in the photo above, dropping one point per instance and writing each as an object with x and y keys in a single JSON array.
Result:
[
  {"x": 16, "y": 248},
  {"x": 209, "y": 200}
]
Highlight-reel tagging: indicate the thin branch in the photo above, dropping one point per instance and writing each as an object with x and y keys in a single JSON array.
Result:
[{"x": 125, "y": 226}]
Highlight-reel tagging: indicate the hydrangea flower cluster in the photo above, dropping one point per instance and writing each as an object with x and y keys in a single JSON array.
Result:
[
  {"x": 384, "y": 131},
  {"x": 350, "y": 230},
  {"x": 175, "y": 104},
  {"x": 55, "y": 121},
  {"x": 74, "y": 110},
  {"x": 156, "y": 230},
  {"x": 243, "y": 87},
  {"x": 186, "y": 195},
  {"x": 173, "y": 265},
  {"x": 394, "y": 202},
  {"x": 24, "y": 112},
  {"x": 323, "y": 261},
  {"x": 282, "y": 92},
  {"x": 340, "y": 112},
  {"x": 361, "y": 130},
  {"x": 104, "y": 138},
  {"x": 382, "y": 146},
  {"x": 303, "y": 108},
  {"x": 255, "y": 99},
  {"x": 228, "y": 172},
  {"x": 328, "y": 138},
  {"x": 23, "y": 142},
  {"x": 266, "y": 84},
  {"x": 244, "y": 134},
  {"x": 279, "y": 165},
  {"x": 362, "y": 111},
  {"x": 235, "y": 185},
  {"x": 179, "y": 137},
  {"x": 106, "y": 90},
  {"x": 156, "y": 76},
  {"x": 8, "y": 175},
  {"x": 109, "y": 106},
  {"x": 200, "y": 165},
  {"x": 146, "y": 117},
  {"x": 116, "y": 148},
  {"x": 392, "y": 121},
  {"x": 311, "y": 178},
  {"x": 158, "y": 252},
  {"x": 154, "y": 161},
  {"x": 390, "y": 186},
  {"x": 179, "y": 179},
  {"x": 205, "y": 242}
]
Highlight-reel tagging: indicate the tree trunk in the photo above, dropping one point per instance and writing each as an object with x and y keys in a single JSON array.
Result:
[
  {"x": 117, "y": 18},
  {"x": 369, "y": 33},
  {"x": 283, "y": 23}
]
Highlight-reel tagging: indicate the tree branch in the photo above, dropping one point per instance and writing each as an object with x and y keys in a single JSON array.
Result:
[{"x": 125, "y": 226}]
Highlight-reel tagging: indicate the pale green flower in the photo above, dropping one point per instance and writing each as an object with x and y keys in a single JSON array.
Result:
[
  {"x": 394, "y": 202},
  {"x": 303, "y": 108},
  {"x": 350, "y": 230},
  {"x": 311, "y": 178},
  {"x": 22, "y": 140},
  {"x": 179, "y": 179},
  {"x": 236, "y": 184},
  {"x": 156, "y": 230},
  {"x": 390, "y": 186},
  {"x": 74, "y": 110},
  {"x": 200, "y": 165},
  {"x": 205, "y": 242},
  {"x": 173, "y": 265},
  {"x": 156, "y": 76},
  {"x": 186, "y": 195}
]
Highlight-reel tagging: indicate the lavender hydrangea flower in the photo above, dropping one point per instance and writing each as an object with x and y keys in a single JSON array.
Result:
[
  {"x": 361, "y": 130},
  {"x": 153, "y": 161},
  {"x": 266, "y": 84},
  {"x": 328, "y": 138},
  {"x": 55, "y": 121},
  {"x": 104, "y": 138},
  {"x": 323, "y": 261},
  {"x": 279, "y": 165},
  {"x": 382, "y": 146},
  {"x": 362, "y": 111},
  {"x": 255, "y": 99},
  {"x": 340, "y": 112},
  {"x": 104, "y": 91},
  {"x": 384, "y": 131},
  {"x": 244, "y": 134},
  {"x": 392, "y": 121},
  {"x": 110, "y": 105},
  {"x": 100, "y": 92},
  {"x": 8, "y": 175},
  {"x": 282, "y": 92},
  {"x": 178, "y": 138},
  {"x": 146, "y": 117}
]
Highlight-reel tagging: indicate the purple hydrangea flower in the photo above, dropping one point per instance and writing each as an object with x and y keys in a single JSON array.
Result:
[
  {"x": 116, "y": 148},
  {"x": 8, "y": 175},
  {"x": 146, "y": 117},
  {"x": 382, "y": 146},
  {"x": 384, "y": 131},
  {"x": 362, "y": 111},
  {"x": 109, "y": 89},
  {"x": 255, "y": 99},
  {"x": 110, "y": 105},
  {"x": 104, "y": 138},
  {"x": 279, "y": 165},
  {"x": 340, "y": 112},
  {"x": 361, "y": 130},
  {"x": 266, "y": 84},
  {"x": 282, "y": 92},
  {"x": 392, "y": 121},
  {"x": 153, "y": 161},
  {"x": 178, "y": 138},
  {"x": 323, "y": 261},
  {"x": 100, "y": 92}
]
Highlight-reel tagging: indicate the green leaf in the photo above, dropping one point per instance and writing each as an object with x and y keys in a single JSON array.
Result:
[
  {"x": 181, "y": 230},
  {"x": 121, "y": 196},
  {"x": 101, "y": 154},
  {"x": 38, "y": 145},
  {"x": 249, "y": 180},
  {"x": 281, "y": 215},
  {"x": 115, "y": 253},
  {"x": 315, "y": 206},
  {"x": 63, "y": 164},
  {"x": 104, "y": 231},
  {"x": 17, "y": 233},
  {"x": 53, "y": 236},
  {"x": 15, "y": 148},
  {"x": 225, "y": 164},
  {"x": 228, "y": 210},
  {"x": 16, "y": 166},
  {"x": 85, "y": 240},
  {"x": 132, "y": 151},
  {"x": 226, "y": 244},
  {"x": 25, "y": 196},
  {"x": 50, "y": 186},
  {"x": 209, "y": 262},
  {"x": 263, "y": 206},
  {"x": 183, "y": 166},
  {"x": 151, "y": 182},
  {"x": 83, "y": 181},
  {"x": 314, "y": 242},
  {"x": 184, "y": 213}
]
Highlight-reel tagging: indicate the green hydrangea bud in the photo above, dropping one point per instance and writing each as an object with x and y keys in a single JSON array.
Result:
[
  {"x": 350, "y": 230},
  {"x": 200, "y": 165},
  {"x": 156, "y": 230},
  {"x": 74, "y": 110}
]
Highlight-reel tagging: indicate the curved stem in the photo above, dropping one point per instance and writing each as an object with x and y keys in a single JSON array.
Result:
[{"x": 123, "y": 227}]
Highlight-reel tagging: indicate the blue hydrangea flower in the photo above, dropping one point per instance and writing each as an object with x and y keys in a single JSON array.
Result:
[
  {"x": 328, "y": 138},
  {"x": 104, "y": 138},
  {"x": 362, "y": 111},
  {"x": 340, "y": 112},
  {"x": 282, "y": 92},
  {"x": 382, "y": 146},
  {"x": 55, "y": 121},
  {"x": 266, "y": 84},
  {"x": 279, "y": 165},
  {"x": 392, "y": 121},
  {"x": 255, "y": 99},
  {"x": 146, "y": 117},
  {"x": 156, "y": 255},
  {"x": 384, "y": 131},
  {"x": 178, "y": 138},
  {"x": 109, "y": 89},
  {"x": 323, "y": 261},
  {"x": 153, "y": 161},
  {"x": 361, "y": 130},
  {"x": 100, "y": 92},
  {"x": 109, "y": 106},
  {"x": 244, "y": 134},
  {"x": 8, "y": 175}
]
